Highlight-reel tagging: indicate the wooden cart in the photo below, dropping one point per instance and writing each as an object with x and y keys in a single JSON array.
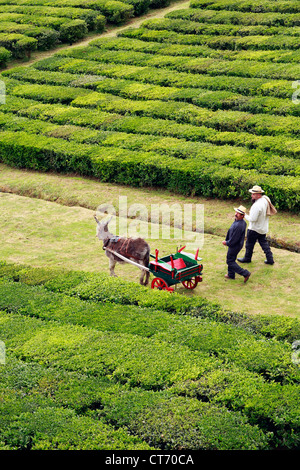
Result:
[{"x": 180, "y": 267}]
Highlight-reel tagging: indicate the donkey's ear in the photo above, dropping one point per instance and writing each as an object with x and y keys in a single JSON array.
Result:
[
  {"x": 96, "y": 219},
  {"x": 107, "y": 222}
]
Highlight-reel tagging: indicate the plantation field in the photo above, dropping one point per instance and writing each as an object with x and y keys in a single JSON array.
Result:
[
  {"x": 191, "y": 108},
  {"x": 106, "y": 364},
  {"x": 27, "y": 26},
  {"x": 155, "y": 105}
]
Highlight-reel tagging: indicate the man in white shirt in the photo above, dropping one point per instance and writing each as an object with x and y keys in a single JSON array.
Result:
[{"x": 258, "y": 226}]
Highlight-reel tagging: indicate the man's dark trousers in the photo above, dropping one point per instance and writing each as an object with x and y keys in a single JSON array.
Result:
[
  {"x": 252, "y": 238},
  {"x": 233, "y": 267}
]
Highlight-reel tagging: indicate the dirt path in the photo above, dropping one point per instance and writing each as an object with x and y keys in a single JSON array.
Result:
[{"x": 111, "y": 31}]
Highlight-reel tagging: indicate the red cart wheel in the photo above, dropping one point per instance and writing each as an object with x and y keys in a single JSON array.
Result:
[
  {"x": 160, "y": 284},
  {"x": 190, "y": 283}
]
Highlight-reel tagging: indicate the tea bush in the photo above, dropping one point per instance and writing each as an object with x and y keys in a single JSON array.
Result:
[
  {"x": 5, "y": 56},
  {"x": 18, "y": 44}
]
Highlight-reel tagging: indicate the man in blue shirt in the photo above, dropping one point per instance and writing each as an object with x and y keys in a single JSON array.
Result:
[{"x": 235, "y": 240}]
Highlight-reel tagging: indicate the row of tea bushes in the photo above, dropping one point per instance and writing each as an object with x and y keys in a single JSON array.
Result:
[
  {"x": 236, "y": 17},
  {"x": 41, "y": 409},
  {"x": 18, "y": 44},
  {"x": 46, "y": 38},
  {"x": 145, "y": 92},
  {"x": 21, "y": 38},
  {"x": 63, "y": 28},
  {"x": 255, "y": 6},
  {"x": 138, "y": 127},
  {"x": 163, "y": 76},
  {"x": 216, "y": 42},
  {"x": 99, "y": 287},
  {"x": 122, "y": 43},
  {"x": 91, "y": 118},
  {"x": 238, "y": 157},
  {"x": 133, "y": 89},
  {"x": 181, "y": 112},
  {"x": 188, "y": 26},
  {"x": 281, "y": 144},
  {"x": 93, "y": 70},
  {"x": 88, "y": 15},
  {"x": 104, "y": 6},
  {"x": 233, "y": 345},
  {"x": 192, "y": 65},
  {"x": 136, "y": 168}
]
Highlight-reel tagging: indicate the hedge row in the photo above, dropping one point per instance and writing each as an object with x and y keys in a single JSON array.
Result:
[
  {"x": 201, "y": 97},
  {"x": 134, "y": 89},
  {"x": 165, "y": 77},
  {"x": 181, "y": 112},
  {"x": 58, "y": 24},
  {"x": 135, "y": 168},
  {"x": 231, "y": 344},
  {"x": 210, "y": 66},
  {"x": 231, "y": 157},
  {"x": 99, "y": 288},
  {"x": 122, "y": 43},
  {"x": 218, "y": 42},
  {"x": 155, "y": 97},
  {"x": 235, "y": 17},
  {"x": 255, "y": 6},
  {"x": 89, "y": 16},
  {"x": 32, "y": 38},
  {"x": 27, "y": 26},
  {"x": 188, "y": 26},
  {"x": 136, "y": 127},
  {"x": 46, "y": 38},
  {"x": 104, "y": 6}
]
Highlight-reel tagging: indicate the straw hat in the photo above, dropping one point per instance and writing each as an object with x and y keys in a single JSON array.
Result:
[
  {"x": 241, "y": 210},
  {"x": 256, "y": 190}
]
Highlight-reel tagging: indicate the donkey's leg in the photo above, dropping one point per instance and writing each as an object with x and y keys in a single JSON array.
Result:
[
  {"x": 146, "y": 278},
  {"x": 112, "y": 264},
  {"x": 142, "y": 276}
]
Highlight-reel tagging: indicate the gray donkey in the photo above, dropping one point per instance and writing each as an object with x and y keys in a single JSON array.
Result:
[{"x": 136, "y": 249}]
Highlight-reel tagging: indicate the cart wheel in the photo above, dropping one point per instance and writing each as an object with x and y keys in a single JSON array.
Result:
[
  {"x": 190, "y": 283},
  {"x": 160, "y": 284}
]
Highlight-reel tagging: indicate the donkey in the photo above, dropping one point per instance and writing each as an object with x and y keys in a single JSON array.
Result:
[{"x": 135, "y": 249}]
